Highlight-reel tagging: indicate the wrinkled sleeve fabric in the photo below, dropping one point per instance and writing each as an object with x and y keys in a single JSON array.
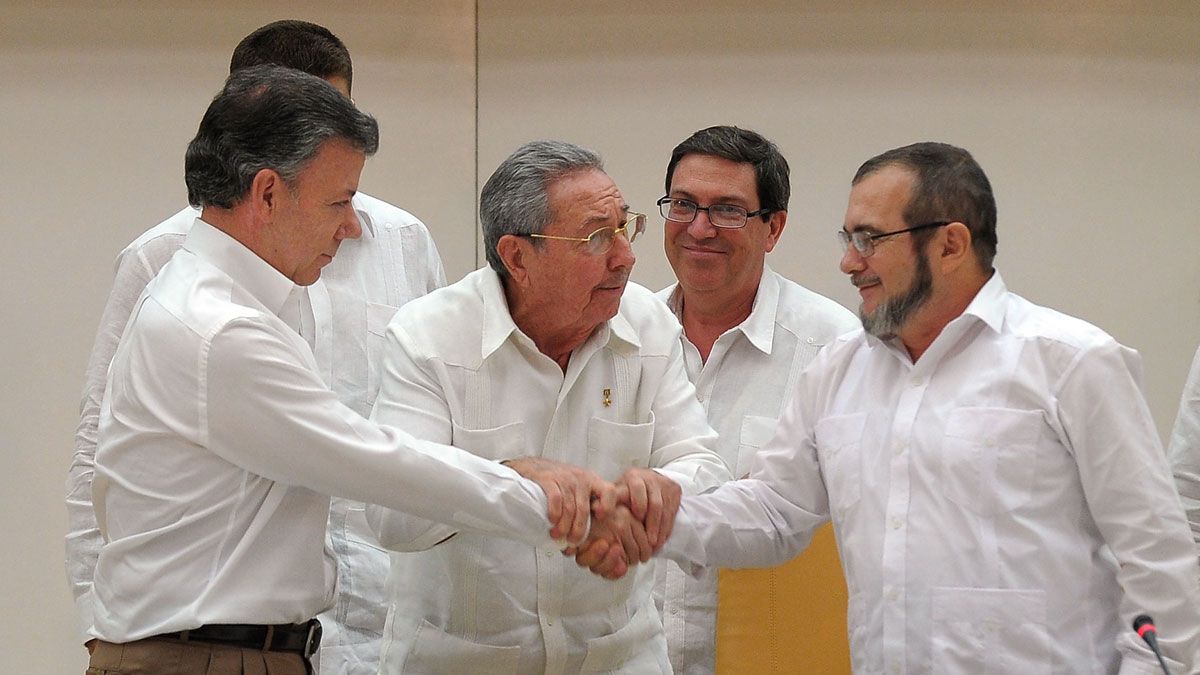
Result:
[
  {"x": 684, "y": 443},
  {"x": 411, "y": 398},
  {"x": 1184, "y": 449},
  {"x": 135, "y": 267},
  {"x": 765, "y": 519},
  {"x": 268, "y": 414},
  {"x": 1129, "y": 492}
]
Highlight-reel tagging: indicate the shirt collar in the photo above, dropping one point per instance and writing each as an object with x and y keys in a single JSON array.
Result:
[
  {"x": 759, "y": 327},
  {"x": 988, "y": 306},
  {"x": 498, "y": 324},
  {"x": 359, "y": 200},
  {"x": 497, "y": 321},
  {"x": 989, "y": 303},
  {"x": 263, "y": 282}
]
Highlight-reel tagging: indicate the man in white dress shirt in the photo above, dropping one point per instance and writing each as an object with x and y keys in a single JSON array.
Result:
[
  {"x": 393, "y": 261},
  {"x": 218, "y": 439},
  {"x": 1000, "y": 497},
  {"x": 546, "y": 353},
  {"x": 747, "y": 331}
]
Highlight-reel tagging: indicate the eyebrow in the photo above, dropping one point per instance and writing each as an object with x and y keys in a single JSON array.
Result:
[
  {"x": 732, "y": 200},
  {"x": 863, "y": 227},
  {"x": 600, "y": 219}
]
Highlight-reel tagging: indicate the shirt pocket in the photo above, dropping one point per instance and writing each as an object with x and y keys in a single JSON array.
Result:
[
  {"x": 614, "y": 447},
  {"x": 612, "y": 652},
  {"x": 989, "y": 630},
  {"x": 436, "y": 651},
  {"x": 839, "y": 450},
  {"x": 378, "y": 318},
  {"x": 362, "y": 568},
  {"x": 989, "y": 458},
  {"x": 498, "y": 443},
  {"x": 755, "y": 432}
]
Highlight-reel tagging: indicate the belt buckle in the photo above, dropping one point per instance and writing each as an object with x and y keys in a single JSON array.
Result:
[{"x": 313, "y": 641}]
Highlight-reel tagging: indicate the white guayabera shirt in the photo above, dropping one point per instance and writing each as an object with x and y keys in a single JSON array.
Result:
[
  {"x": 458, "y": 370},
  {"x": 393, "y": 261},
  {"x": 750, "y": 373},
  {"x": 219, "y": 442},
  {"x": 1003, "y": 505}
]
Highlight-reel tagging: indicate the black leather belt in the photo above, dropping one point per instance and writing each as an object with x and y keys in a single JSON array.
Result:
[{"x": 296, "y": 638}]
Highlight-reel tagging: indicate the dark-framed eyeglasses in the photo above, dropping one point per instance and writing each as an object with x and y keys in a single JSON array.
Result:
[
  {"x": 726, "y": 216},
  {"x": 864, "y": 241},
  {"x": 600, "y": 241}
]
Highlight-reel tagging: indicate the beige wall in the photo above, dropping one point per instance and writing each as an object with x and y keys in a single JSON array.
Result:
[{"x": 1085, "y": 117}]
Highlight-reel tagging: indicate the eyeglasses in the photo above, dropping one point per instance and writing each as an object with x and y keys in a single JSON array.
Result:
[
  {"x": 725, "y": 216},
  {"x": 601, "y": 241},
  {"x": 864, "y": 241}
]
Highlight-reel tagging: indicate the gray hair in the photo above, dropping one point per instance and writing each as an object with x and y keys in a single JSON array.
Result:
[
  {"x": 268, "y": 117},
  {"x": 514, "y": 201}
]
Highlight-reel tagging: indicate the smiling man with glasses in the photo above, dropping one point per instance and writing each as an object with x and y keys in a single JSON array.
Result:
[
  {"x": 547, "y": 358},
  {"x": 747, "y": 332}
]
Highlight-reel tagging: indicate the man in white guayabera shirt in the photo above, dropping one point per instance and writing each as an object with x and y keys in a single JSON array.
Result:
[
  {"x": 393, "y": 261},
  {"x": 218, "y": 439},
  {"x": 747, "y": 331},
  {"x": 999, "y": 492},
  {"x": 546, "y": 353}
]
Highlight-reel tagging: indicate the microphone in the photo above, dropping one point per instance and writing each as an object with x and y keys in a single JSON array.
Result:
[{"x": 1144, "y": 626}]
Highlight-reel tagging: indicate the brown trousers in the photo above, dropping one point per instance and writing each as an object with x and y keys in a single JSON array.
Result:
[{"x": 162, "y": 656}]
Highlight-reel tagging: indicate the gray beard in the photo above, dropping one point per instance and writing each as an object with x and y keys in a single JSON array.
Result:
[{"x": 891, "y": 314}]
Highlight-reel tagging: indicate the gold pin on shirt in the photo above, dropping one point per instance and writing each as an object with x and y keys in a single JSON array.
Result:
[{"x": 607, "y": 397}]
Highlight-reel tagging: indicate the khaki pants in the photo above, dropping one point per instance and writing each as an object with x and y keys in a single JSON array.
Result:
[{"x": 155, "y": 656}]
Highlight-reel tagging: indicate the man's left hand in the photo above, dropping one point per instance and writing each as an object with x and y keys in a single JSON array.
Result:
[{"x": 654, "y": 499}]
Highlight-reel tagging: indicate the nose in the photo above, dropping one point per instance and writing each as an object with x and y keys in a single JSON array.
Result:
[
  {"x": 852, "y": 261},
  {"x": 701, "y": 229},
  {"x": 351, "y": 228},
  {"x": 621, "y": 256}
]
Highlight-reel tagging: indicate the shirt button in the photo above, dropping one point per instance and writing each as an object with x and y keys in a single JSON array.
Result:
[
  {"x": 549, "y": 554},
  {"x": 893, "y": 595},
  {"x": 896, "y": 523},
  {"x": 916, "y": 382},
  {"x": 900, "y": 447},
  {"x": 895, "y": 667}
]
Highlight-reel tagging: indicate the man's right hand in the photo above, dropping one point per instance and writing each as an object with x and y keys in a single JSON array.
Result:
[
  {"x": 572, "y": 495},
  {"x": 615, "y": 544}
]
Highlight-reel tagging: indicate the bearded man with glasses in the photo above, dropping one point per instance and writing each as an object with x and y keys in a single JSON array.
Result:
[
  {"x": 548, "y": 358},
  {"x": 1000, "y": 495}
]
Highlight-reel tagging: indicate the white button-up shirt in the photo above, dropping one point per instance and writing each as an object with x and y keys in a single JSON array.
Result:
[
  {"x": 1184, "y": 448},
  {"x": 750, "y": 372},
  {"x": 219, "y": 442},
  {"x": 393, "y": 261},
  {"x": 458, "y": 370},
  {"x": 1003, "y": 505}
]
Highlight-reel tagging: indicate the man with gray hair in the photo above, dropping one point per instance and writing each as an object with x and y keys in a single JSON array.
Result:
[
  {"x": 218, "y": 438},
  {"x": 547, "y": 354}
]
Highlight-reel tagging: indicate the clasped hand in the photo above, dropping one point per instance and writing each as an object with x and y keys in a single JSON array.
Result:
[
  {"x": 631, "y": 519},
  {"x": 638, "y": 526}
]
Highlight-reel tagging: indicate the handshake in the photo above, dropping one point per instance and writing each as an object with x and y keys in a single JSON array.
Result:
[{"x": 630, "y": 519}]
